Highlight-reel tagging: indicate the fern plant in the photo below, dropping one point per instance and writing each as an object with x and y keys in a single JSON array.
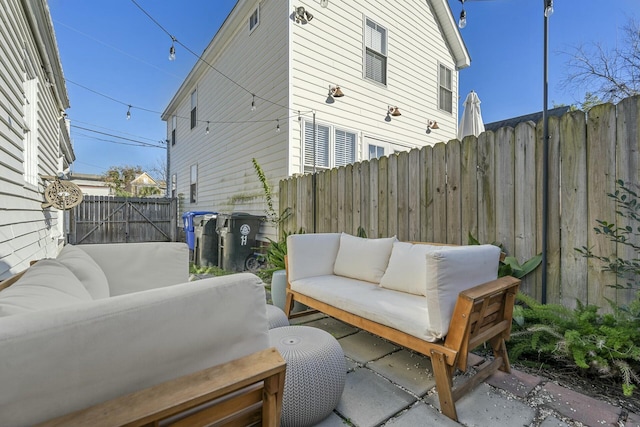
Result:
[{"x": 606, "y": 345}]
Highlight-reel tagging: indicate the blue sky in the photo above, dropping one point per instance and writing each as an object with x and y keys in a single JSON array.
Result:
[{"x": 114, "y": 56}]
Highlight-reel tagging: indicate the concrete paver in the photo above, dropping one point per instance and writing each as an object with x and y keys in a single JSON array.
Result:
[
  {"x": 633, "y": 420},
  {"x": 368, "y": 399},
  {"x": 421, "y": 415},
  {"x": 335, "y": 327},
  {"x": 518, "y": 383},
  {"x": 552, "y": 421},
  {"x": 410, "y": 370},
  {"x": 364, "y": 347}
]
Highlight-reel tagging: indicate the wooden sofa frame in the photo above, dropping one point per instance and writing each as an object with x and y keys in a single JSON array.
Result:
[
  {"x": 245, "y": 391},
  {"x": 482, "y": 314}
]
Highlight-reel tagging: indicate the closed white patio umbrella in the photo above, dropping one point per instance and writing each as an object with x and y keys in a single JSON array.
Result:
[{"x": 471, "y": 121}]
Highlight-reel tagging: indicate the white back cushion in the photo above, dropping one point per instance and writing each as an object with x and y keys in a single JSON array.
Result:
[
  {"x": 45, "y": 285},
  {"x": 311, "y": 254},
  {"x": 451, "y": 270},
  {"x": 363, "y": 259},
  {"x": 86, "y": 270},
  {"x": 407, "y": 270}
]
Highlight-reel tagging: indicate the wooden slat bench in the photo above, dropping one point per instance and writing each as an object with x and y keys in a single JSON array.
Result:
[{"x": 482, "y": 314}]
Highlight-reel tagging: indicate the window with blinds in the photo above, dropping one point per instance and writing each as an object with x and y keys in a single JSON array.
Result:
[
  {"x": 345, "y": 143},
  {"x": 375, "y": 41},
  {"x": 445, "y": 98},
  {"x": 321, "y": 159},
  {"x": 334, "y": 147}
]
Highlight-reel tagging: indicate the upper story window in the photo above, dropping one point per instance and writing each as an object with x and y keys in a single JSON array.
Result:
[
  {"x": 375, "y": 42},
  {"x": 333, "y": 147},
  {"x": 174, "y": 125},
  {"x": 194, "y": 106},
  {"x": 254, "y": 19},
  {"x": 174, "y": 185},
  {"x": 445, "y": 97}
]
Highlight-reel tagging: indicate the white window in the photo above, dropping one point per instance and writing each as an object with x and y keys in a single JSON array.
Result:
[
  {"x": 333, "y": 147},
  {"x": 375, "y": 41},
  {"x": 30, "y": 159},
  {"x": 174, "y": 185},
  {"x": 254, "y": 19},
  {"x": 174, "y": 124},
  {"x": 375, "y": 151},
  {"x": 193, "y": 188},
  {"x": 445, "y": 97},
  {"x": 194, "y": 106}
]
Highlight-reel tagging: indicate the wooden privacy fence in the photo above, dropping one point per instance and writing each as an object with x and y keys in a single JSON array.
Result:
[
  {"x": 107, "y": 219},
  {"x": 491, "y": 187}
]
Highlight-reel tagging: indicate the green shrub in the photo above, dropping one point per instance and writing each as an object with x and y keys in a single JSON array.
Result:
[{"x": 602, "y": 344}]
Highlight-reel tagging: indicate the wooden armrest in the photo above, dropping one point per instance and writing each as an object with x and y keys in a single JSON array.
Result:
[{"x": 242, "y": 391}]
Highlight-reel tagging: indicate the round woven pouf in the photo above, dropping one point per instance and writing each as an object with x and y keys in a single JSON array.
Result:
[
  {"x": 315, "y": 375},
  {"x": 276, "y": 317}
]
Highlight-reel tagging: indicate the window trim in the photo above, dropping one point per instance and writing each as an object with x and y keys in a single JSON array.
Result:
[
  {"x": 194, "y": 108},
  {"x": 331, "y": 154},
  {"x": 174, "y": 125},
  {"x": 441, "y": 88},
  {"x": 193, "y": 183},
  {"x": 384, "y": 55},
  {"x": 256, "y": 12}
]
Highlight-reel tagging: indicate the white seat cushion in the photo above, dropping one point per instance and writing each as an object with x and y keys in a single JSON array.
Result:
[
  {"x": 45, "y": 285},
  {"x": 363, "y": 259},
  {"x": 407, "y": 270},
  {"x": 86, "y": 270},
  {"x": 451, "y": 270},
  {"x": 399, "y": 310}
]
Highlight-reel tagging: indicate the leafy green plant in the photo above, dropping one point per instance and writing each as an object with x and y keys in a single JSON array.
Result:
[
  {"x": 628, "y": 210},
  {"x": 276, "y": 252},
  {"x": 212, "y": 270},
  {"x": 272, "y": 216},
  {"x": 510, "y": 266},
  {"x": 601, "y": 344}
]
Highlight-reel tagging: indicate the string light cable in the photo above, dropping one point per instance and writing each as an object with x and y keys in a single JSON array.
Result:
[{"x": 141, "y": 143}]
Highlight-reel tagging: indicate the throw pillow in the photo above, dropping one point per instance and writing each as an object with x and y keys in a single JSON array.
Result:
[
  {"x": 363, "y": 259},
  {"x": 45, "y": 285},
  {"x": 407, "y": 270},
  {"x": 86, "y": 270}
]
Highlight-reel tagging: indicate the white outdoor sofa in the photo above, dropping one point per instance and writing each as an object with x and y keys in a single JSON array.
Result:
[
  {"x": 102, "y": 321},
  {"x": 441, "y": 301}
]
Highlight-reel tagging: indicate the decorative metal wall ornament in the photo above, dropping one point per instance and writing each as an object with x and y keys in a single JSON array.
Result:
[{"x": 61, "y": 194}]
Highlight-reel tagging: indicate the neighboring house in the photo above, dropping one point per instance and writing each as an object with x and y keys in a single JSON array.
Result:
[
  {"x": 90, "y": 184},
  {"x": 270, "y": 71},
  {"x": 34, "y": 134},
  {"x": 533, "y": 117},
  {"x": 145, "y": 186}
]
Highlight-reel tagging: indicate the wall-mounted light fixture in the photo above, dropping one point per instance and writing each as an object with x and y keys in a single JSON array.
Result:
[
  {"x": 324, "y": 3},
  {"x": 394, "y": 111},
  {"x": 432, "y": 124},
  {"x": 334, "y": 92},
  {"x": 302, "y": 16}
]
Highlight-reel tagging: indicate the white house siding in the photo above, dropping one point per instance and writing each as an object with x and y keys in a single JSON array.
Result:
[
  {"x": 258, "y": 62},
  {"x": 329, "y": 51},
  {"x": 27, "y": 232}
]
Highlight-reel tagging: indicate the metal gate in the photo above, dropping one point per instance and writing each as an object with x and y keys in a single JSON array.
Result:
[{"x": 107, "y": 219}]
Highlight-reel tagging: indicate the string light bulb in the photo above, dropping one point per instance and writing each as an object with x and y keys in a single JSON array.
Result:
[
  {"x": 172, "y": 50},
  {"x": 548, "y": 8},
  {"x": 463, "y": 19},
  {"x": 324, "y": 3},
  {"x": 129, "y": 113},
  {"x": 207, "y": 130},
  {"x": 253, "y": 102},
  {"x": 278, "y": 125}
]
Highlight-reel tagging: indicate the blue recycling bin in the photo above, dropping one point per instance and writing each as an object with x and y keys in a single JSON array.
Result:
[{"x": 187, "y": 221}]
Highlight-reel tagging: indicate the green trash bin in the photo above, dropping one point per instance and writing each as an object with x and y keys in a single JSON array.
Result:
[
  {"x": 206, "y": 241},
  {"x": 236, "y": 239}
]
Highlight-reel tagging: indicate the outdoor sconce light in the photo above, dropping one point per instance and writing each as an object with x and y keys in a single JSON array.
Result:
[
  {"x": 334, "y": 92},
  {"x": 302, "y": 16},
  {"x": 324, "y": 3},
  {"x": 394, "y": 111},
  {"x": 432, "y": 124}
]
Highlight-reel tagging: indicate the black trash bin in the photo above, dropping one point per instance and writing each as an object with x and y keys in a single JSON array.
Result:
[
  {"x": 206, "y": 241},
  {"x": 236, "y": 239},
  {"x": 189, "y": 229}
]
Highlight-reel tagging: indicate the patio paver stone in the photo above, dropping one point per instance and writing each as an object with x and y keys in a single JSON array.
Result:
[
  {"x": 421, "y": 415},
  {"x": 517, "y": 383},
  {"x": 576, "y": 406},
  {"x": 364, "y": 347},
  {"x": 335, "y": 327},
  {"x": 409, "y": 370},
  {"x": 368, "y": 399}
]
